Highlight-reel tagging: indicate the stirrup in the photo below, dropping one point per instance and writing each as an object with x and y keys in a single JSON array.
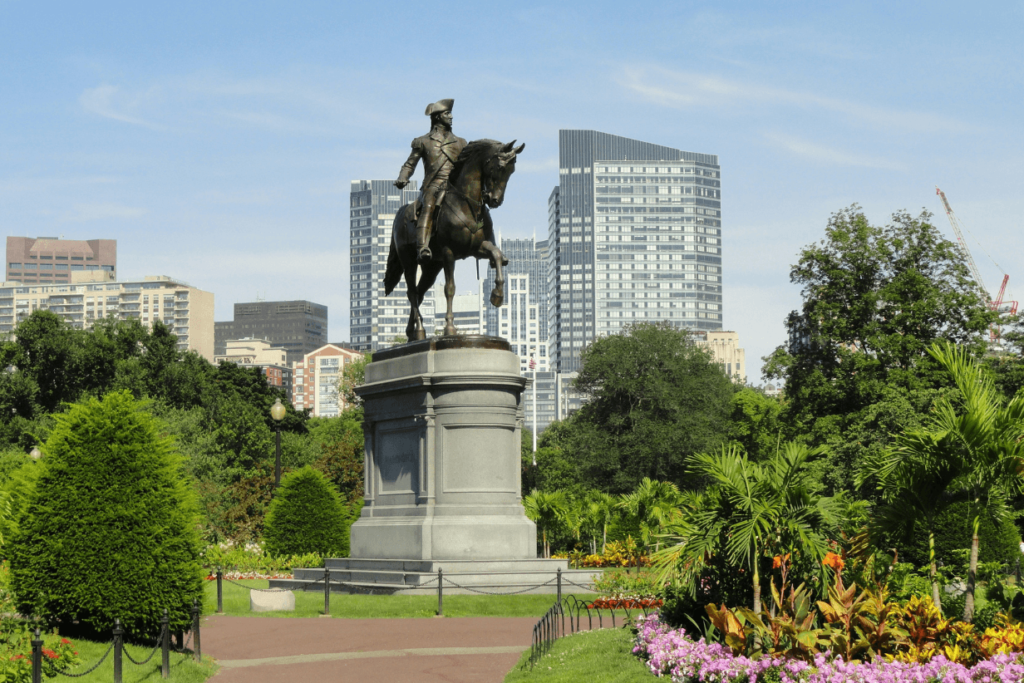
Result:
[{"x": 424, "y": 256}]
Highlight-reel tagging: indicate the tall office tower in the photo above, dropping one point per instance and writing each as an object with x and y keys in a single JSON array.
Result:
[
  {"x": 51, "y": 260},
  {"x": 523, "y": 318},
  {"x": 374, "y": 319},
  {"x": 635, "y": 235},
  {"x": 299, "y": 327}
]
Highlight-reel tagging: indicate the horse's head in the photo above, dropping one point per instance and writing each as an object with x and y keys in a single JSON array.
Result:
[{"x": 496, "y": 172}]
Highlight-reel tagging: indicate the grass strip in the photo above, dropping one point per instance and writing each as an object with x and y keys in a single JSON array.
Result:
[
  {"x": 309, "y": 604},
  {"x": 184, "y": 668},
  {"x": 602, "y": 656}
]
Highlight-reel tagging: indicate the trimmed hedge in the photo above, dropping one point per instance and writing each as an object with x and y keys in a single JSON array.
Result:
[
  {"x": 307, "y": 516},
  {"x": 110, "y": 529}
]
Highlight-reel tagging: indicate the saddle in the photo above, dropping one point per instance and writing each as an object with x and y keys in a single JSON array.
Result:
[{"x": 417, "y": 206}]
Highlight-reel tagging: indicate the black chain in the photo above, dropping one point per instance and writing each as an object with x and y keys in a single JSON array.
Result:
[
  {"x": 93, "y": 668},
  {"x": 586, "y": 588},
  {"x": 188, "y": 641},
  {"x": 146, "y": 660},
  {"x": 260, "y": 590},
  {"x": 483, "y": 592}
]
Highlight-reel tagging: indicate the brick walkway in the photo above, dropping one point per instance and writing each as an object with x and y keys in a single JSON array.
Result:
[{"x": 455, "y": 650}]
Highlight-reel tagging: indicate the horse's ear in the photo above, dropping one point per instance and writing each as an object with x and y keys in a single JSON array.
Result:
[
  {"x": 520, "y": 148},
  {"x": 508, "y": 147}
]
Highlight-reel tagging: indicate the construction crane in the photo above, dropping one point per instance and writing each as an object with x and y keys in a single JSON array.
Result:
[{"x": 997, "y": 304}]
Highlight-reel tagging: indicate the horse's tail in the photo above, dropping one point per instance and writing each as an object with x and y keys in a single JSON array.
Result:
[{"x": 393, "y": 274}]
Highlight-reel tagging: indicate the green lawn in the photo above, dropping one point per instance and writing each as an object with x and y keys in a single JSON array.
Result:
[
  {"x": 604, "y": 656},
  {"x": 307, "y": 604},
  {"x": 184, "y": 669}
]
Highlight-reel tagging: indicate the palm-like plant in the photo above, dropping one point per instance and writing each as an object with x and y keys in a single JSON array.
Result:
[
  {"x": 984, "y": 438},
  {"x": 546, "y": 508},
  {"x": 745, "y": 508},
  {"x": 651, "y": 507},
  {"x": 914, "y": 478},
  {"x": 602, "y": 508}
]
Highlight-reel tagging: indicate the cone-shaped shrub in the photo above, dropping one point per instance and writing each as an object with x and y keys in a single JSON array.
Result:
[
  {"x": 306, "y": 516},
  {"x": 109, "y": 530}
]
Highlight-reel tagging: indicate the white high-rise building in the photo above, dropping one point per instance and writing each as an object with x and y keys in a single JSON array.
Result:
[
  {"x": 374, "y": 319},
  {"x": 634, "y": 236},
  {"x": 523, "y": 319}
]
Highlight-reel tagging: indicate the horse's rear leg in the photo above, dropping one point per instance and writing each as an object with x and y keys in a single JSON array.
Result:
[
  {"x": 414, "y": 330},
  {"x": 449, "y": 291}
]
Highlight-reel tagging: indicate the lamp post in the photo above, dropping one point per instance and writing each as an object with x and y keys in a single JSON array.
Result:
[
  {"x": 35, "y": 453},
  {"x": 533, "y": 366},
  {"x": 277, "y": 412}
]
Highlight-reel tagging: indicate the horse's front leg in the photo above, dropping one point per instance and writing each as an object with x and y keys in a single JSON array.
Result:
[
  {"x": 489, "y": 251},
  {"x": 449, "y": 291}
]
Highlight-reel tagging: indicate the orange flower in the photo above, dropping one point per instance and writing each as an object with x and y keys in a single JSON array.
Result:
[
  {"x": 834, "y": 561},
  {"x": 776, "y": 562}
]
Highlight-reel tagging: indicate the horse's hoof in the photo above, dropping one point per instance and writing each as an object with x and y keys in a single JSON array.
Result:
[
  {"x": 450, "y": 331},
  {"x": 424, "y": 257},
  {"x": 497, "y": 299},
  {"x": 420, "y": 335}
]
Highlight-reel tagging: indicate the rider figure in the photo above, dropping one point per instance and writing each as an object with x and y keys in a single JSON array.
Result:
[{"x": 439, "y": 149}]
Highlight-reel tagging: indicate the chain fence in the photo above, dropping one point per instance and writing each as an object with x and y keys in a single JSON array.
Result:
[{"x": 163, "y": 642}]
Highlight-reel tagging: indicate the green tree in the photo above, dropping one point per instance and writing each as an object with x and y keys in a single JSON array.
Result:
[
  {"x": 109, "y": 530},
  {"x": 547, "y": 509},
  {"x": 985, "y": 437},
  {"x": 747, "y": 508},
  {"x": 353, "y": 375},
  {"x": 307, "y": 516},
  {"x": 653, "y": 397},
  {"x": 649, "y": 508},
  {"x": 874, "y": 299},
  {"x": 755, "y": 423}
]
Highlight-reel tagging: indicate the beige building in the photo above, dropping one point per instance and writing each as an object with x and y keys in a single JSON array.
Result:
[
  {"x": 725, "y": 349},
  {"x": 259, "y": 353},
  {"x": 94, "y": 295},
  {"x": 52, "y": 260},
  {"x": 316, "y": 377}
]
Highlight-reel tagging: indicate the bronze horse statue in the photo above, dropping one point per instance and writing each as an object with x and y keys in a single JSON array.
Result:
[{"x": 462, "y": 228}]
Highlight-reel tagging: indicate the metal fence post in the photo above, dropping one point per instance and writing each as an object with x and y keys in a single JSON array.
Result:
[
  {"x": 165, "y": 645},
  {"x": 196, "y": 647},
  {"x": 440, "y": 592},
  {"x": 220, "y": 592},
  {"x": 559, "y": 584},
  {"x": 118, "y": 644},
  {"x": 327, "y": 589},
  {"x": 37, "y": 658}
]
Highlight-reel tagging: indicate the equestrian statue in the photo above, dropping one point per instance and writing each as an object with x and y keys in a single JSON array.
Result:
[{"x": 451, "y": 220}]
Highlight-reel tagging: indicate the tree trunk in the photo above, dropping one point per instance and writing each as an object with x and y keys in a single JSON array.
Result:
[
  {"x": 604, "y": 538},
  {"x": 972, "y": 572},
  {"x": 757, "y": 588},
  {"x": 931, "y": 568}
]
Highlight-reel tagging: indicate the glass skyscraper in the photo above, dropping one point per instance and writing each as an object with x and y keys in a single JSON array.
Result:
[
  {"x": 523, "y": 318},
  {"x": 634, "y": 233},
  {"x": 375, "y": 320}
]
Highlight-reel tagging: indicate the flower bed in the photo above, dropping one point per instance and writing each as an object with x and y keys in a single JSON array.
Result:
[
  {"x": 244, "y": 576},
  {"x": 626, "y": 602},
  {"x": 672, "y": 653}
]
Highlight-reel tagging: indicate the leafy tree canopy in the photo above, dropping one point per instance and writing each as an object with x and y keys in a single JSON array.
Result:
[
  {"x": 653, "y": 397},
  {"x": 874, "y": 299}
]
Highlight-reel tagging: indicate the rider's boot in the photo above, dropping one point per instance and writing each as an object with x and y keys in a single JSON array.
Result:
[{"x": 422, "y": 240}]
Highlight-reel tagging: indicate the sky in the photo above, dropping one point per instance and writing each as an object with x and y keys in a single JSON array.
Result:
[{"x": 216, "y": 142}]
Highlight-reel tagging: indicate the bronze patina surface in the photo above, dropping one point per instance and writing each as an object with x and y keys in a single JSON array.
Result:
[{"x": 462, "y": 182}]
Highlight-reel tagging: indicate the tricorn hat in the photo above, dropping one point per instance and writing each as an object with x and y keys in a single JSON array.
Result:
[{"x": 439, "y": 106}]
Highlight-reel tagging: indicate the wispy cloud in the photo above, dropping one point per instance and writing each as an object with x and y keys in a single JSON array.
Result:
[
  {"x": 101, "y": 101},
  {"x": 829, "y": 155},
  {"x": 102, "y": 212},
  {"x": 689, "y": 90}
]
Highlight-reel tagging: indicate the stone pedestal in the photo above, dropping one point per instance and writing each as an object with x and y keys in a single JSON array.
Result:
[{"x": 442, "y": 427}]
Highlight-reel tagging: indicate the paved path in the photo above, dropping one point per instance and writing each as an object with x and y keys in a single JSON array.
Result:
[{"x": 455, "y": 650}]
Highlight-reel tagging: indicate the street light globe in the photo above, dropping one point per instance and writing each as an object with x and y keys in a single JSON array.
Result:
[
  {"x": 35, "y": 453},
  {"x": 277, "y": 411}
]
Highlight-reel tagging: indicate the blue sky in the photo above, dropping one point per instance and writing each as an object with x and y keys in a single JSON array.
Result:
[{"x": 216, "y": 141}]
